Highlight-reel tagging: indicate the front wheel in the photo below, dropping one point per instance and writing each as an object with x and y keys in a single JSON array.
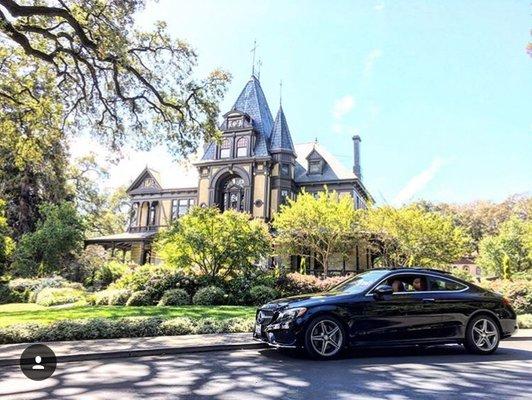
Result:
[
  {"x": 482, "y": 335},
  {"x": 324, "y": 338}
]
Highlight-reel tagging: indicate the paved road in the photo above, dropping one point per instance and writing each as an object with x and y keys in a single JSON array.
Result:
[{"x": 443, "y": 372}]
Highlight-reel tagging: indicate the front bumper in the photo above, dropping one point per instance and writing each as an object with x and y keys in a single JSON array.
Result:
[{"x": 278, "y": 335}]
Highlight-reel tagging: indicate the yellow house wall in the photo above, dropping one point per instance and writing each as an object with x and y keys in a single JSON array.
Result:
[
  {"x": 259, "y": 194},
  {"x": 203, "y": 191},
  {"x": 136, "y": 252},
  {"x": 165, "y": 212}
]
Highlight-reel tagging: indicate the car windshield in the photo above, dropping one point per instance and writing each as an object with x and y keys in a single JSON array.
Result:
[{"x": 359, "y": 283}]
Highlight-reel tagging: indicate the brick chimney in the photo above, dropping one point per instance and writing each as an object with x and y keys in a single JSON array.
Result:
[{"x": 356, "y": 153}]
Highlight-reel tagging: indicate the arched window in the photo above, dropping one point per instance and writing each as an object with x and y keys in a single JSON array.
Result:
[
  {"x": 232, "y": 196},
  {"x": 225, "y": 149},
  {"x": 242, "y": 147}
]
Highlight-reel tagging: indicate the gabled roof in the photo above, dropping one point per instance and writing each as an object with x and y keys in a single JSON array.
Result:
[
  {"x": 281, "y": 140},
  {"x": 332, "y": 168},
  {"x": 146, "y": 173},
  {"x": 179, "y": 177}
]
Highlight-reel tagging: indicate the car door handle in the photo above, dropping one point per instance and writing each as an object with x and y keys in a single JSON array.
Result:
[{"x": 429, "y": 300}]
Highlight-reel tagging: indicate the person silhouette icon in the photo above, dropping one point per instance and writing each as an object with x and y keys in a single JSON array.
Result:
[
  {"x": 38, "y": 362},
  {"x": 38, "y": 365}
]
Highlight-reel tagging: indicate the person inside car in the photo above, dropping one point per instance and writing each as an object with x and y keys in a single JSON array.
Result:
[
  {"x": 419, "y": 284},
  {"x": 398, "y": 286}
]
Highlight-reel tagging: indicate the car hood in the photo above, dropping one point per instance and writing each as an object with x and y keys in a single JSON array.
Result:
[{"x": 306, "y": 300}]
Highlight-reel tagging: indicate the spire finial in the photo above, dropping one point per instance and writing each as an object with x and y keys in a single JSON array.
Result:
[
  {"x": 259, "y": 64},
  {"x": 281, "y": 93},
  {"x": 253, "y": 50}
]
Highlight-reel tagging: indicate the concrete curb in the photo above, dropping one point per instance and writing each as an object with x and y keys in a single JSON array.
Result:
[{"x": 147, "y": 352}]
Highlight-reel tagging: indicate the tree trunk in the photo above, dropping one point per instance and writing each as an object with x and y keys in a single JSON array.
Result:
[{"x": 25, "y": 221}]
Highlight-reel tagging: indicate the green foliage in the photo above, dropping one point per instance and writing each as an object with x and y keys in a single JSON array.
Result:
[
  {"x": 463, "y": 274},
  {"x": 178, "y": 326},
  {"x": 410, "y": 236},
  {"x": 33, "y": 149},
  {"x": 524, "y": 321},
  {"x": 29, "y": 288},
  {"x": 111, "y": 297},
  {"x": 482, "y": 218},
  {"x": 7, "y": 295},
  {"x": 140, "y": 298},
  {"x": 53, "y": 244},
  {"x": 110, "y": 272},
  {"x": 156, "y": 279},
  {"x": 519, "y": 292},
  {"x": 55, "y": 296},
  {"x": 510, "y": 251},
  {"x": 239, "y": 287},
  {"x": 104, "y": 328},
  {"x": 322, "y": 225},
  {"x": 210, "y": 295},
  {"x": 208, "y": 242},
  {"x": 295, "y": 283},
  {"x": 174, "y": 297},
  {"x": 123, "y": 84},
  {"x": 7, "y": 245},
  {"x": 105, "y": 212},
  {"x": 262, "y": 294}
]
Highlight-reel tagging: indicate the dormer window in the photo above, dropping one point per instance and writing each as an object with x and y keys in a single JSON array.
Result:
[
  {"x": 315, "y": 167},
  {"x": 225, "y": 149},
  {"x": 242, "y": 147}
]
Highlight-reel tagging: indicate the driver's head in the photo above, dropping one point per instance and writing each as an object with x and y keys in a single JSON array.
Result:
[{"x": 419, "y": 283}]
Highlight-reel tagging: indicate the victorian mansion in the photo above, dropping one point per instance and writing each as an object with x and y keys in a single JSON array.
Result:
[{"x": 253, "y": 169}]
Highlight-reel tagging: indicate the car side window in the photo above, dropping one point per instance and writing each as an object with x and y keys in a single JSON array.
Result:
[
  {"x": 442, "y": 284},
  {"x": 407, "y": 283}
]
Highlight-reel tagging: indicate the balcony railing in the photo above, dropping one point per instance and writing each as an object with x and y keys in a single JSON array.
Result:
[{"x": 149, "y": 228}]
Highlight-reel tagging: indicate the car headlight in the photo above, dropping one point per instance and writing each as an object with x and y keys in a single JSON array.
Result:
[{"x": 291, "y": 313}]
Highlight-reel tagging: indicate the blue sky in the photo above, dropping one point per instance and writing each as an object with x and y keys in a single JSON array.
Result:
[{"x": 440, "y": 92}]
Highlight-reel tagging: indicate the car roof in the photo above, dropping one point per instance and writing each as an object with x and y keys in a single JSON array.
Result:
[{"x": 413, "y": 269}]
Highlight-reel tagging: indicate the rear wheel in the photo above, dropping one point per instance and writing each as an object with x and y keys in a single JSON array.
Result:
[
  {"x": 324, "y": 338},
  {"x": 482, "y": 335}
]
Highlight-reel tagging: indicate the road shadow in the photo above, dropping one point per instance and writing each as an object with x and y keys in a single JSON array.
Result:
[{"x": 432, "y": 373}]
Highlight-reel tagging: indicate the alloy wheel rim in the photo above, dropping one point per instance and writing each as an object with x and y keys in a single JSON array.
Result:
[
  {"x": 326, "y": 338},
  {"x": 485, "y": 334}
]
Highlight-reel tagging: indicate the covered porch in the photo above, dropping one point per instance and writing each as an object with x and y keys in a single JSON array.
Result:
[{"x": 138, "y": 244}]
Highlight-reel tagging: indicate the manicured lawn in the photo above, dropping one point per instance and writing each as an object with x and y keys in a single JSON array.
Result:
[{"x": 19, "y": 313}]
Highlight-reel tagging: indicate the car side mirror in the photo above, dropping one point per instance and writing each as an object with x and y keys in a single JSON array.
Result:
[{"x": 382, "y": 290}]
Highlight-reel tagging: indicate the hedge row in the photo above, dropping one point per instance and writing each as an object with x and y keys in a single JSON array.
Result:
[{"x": 104, "y": 328}]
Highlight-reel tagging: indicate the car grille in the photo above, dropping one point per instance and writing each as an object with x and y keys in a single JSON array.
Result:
[{"x": 264, "y": 317}]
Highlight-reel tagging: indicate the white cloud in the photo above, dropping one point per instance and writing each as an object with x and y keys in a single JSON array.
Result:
[
  {"x": 418, "y": 182},
  {"x": 342, "y": 106},
  {"x": 370, "y": 60},
  {"x": 379, "y": 7}
]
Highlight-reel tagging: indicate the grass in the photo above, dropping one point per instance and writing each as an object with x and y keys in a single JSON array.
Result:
[{"x": 19, "y": 313}]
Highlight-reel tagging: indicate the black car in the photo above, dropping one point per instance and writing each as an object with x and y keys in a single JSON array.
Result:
[{"x": 379, "y": 307}]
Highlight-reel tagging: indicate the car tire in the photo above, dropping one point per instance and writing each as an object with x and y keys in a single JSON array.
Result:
[
  {"x": 325, "y": 338},
  {"x": 482, "y": 335}
]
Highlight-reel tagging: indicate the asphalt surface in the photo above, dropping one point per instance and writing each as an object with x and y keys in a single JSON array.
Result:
[{"x": 444, "y": 372}]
